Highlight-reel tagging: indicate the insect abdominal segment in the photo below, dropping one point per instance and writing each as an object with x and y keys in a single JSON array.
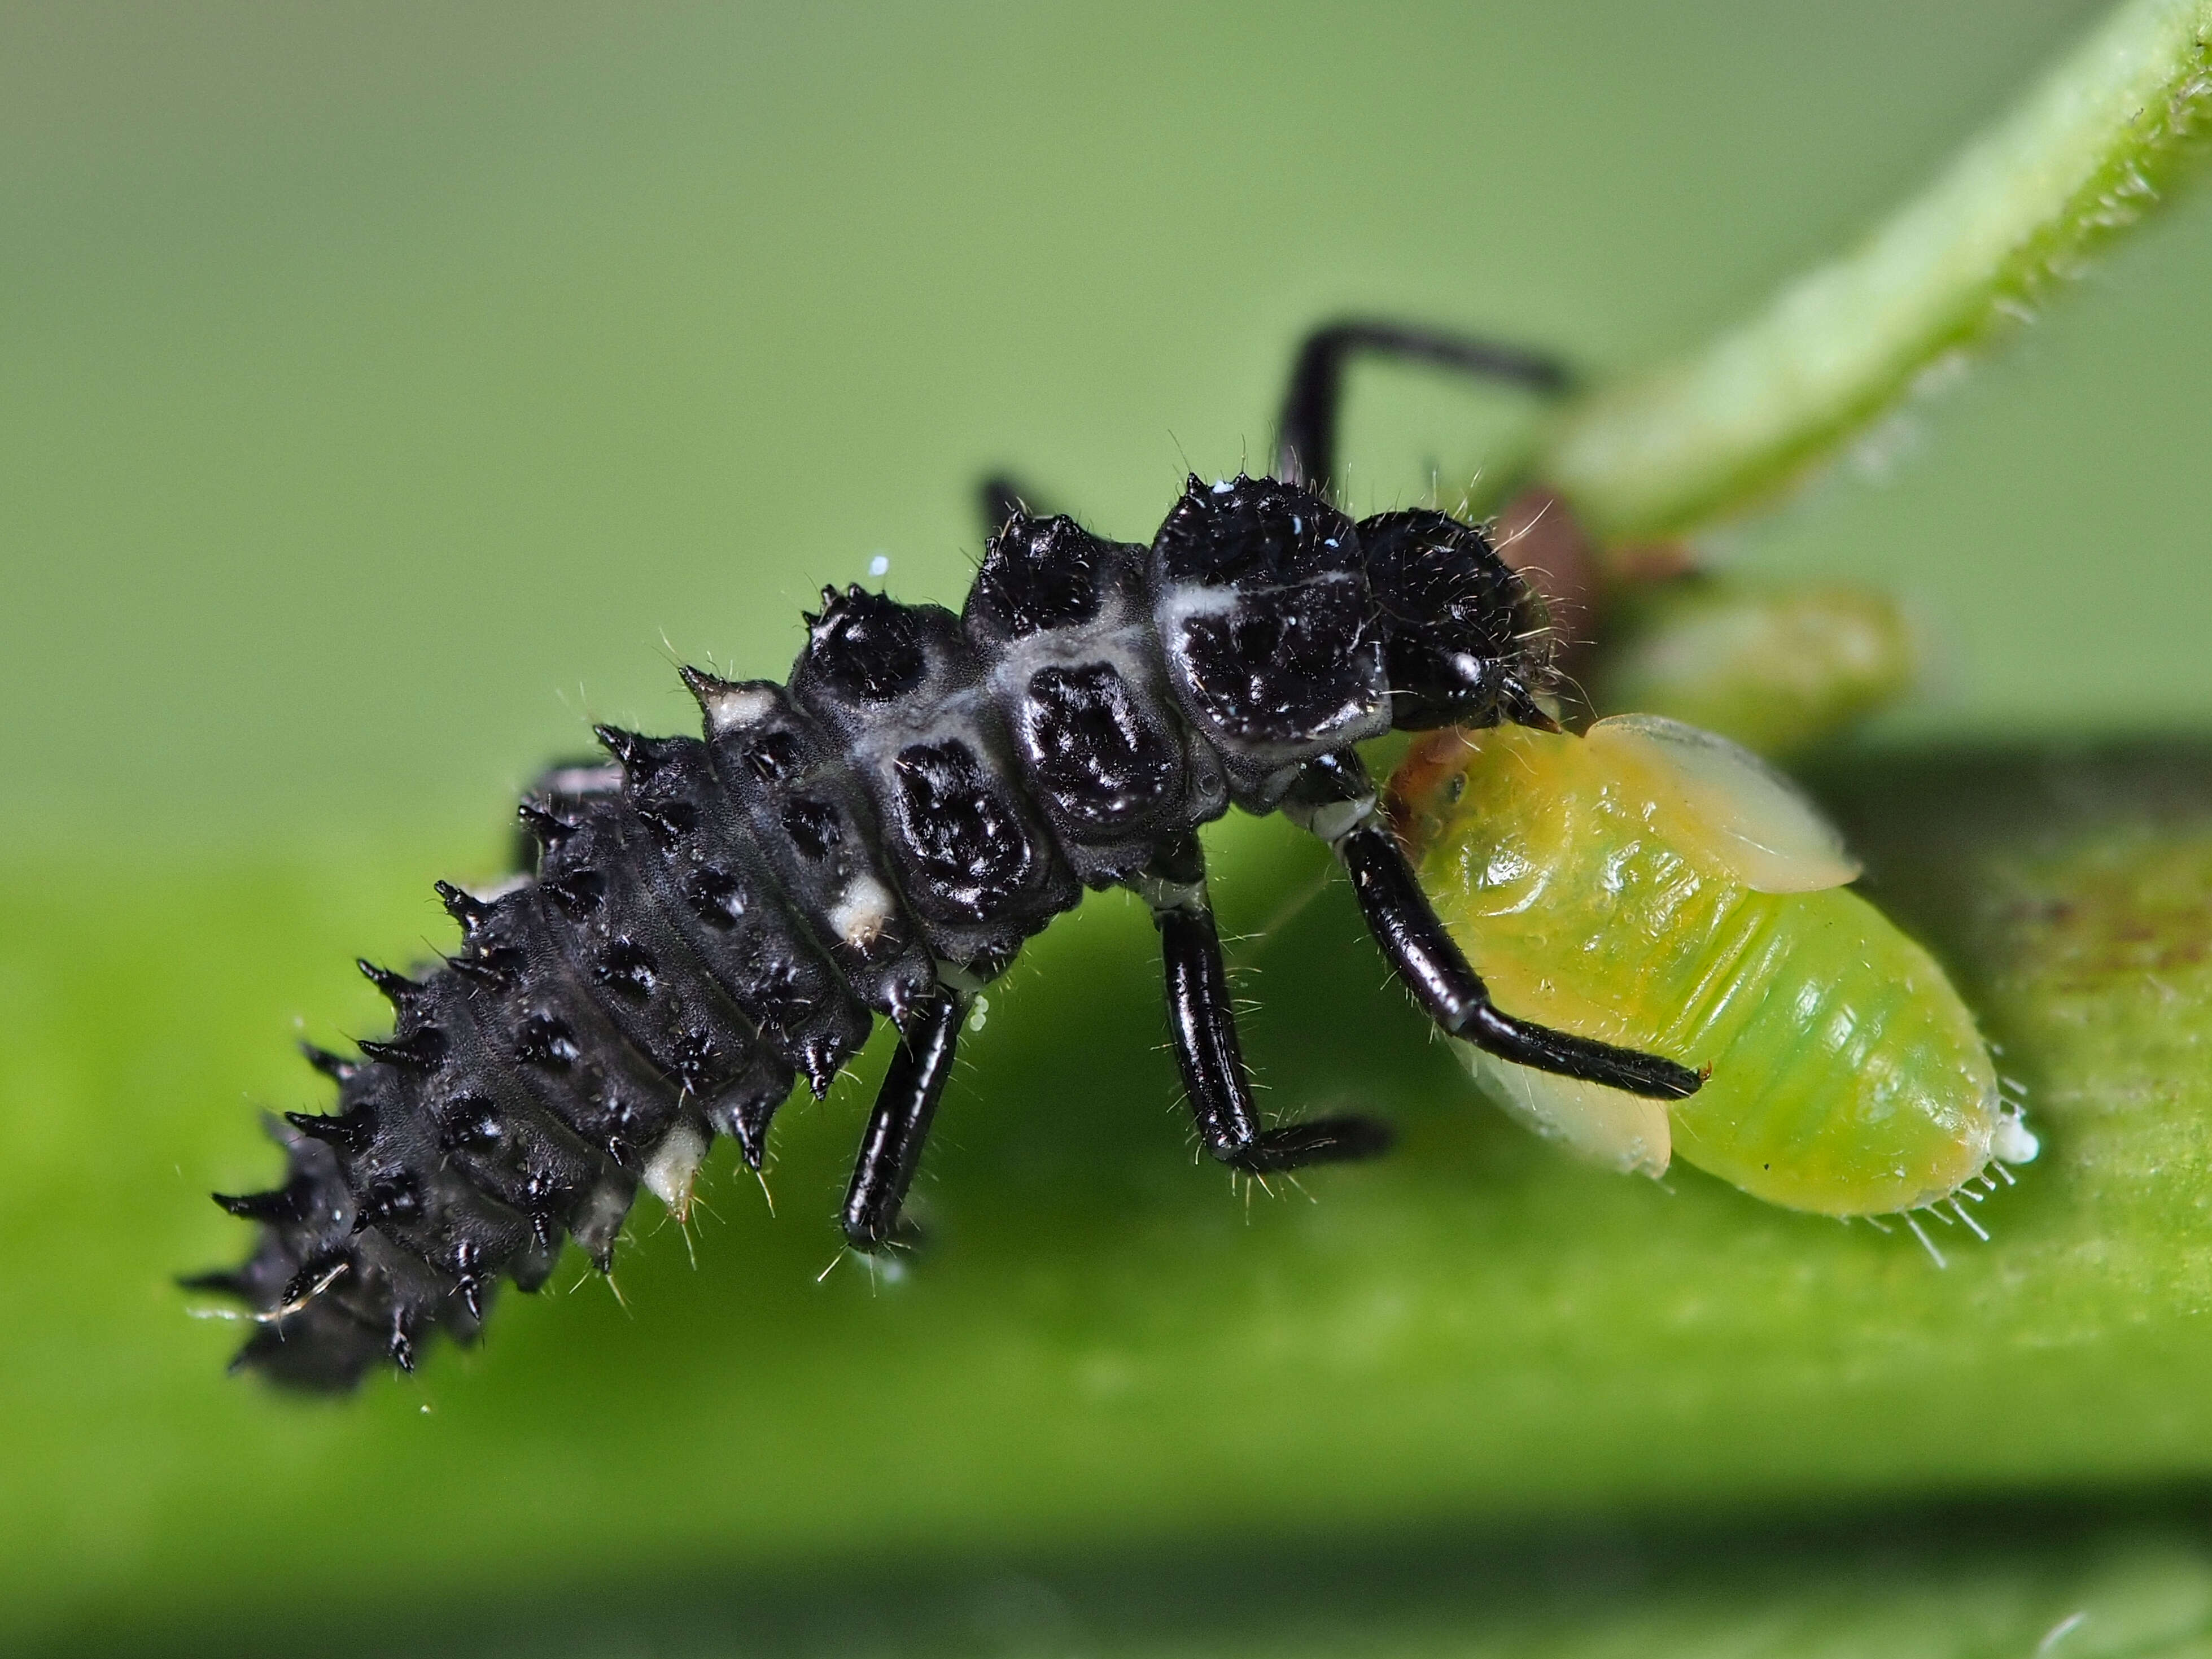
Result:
[
  {"x": 708, "y": 921},
  {"x": 1705, "y": 903}
]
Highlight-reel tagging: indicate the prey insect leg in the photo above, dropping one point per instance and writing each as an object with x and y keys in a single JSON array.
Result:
[
  {"x": 1306, "y": 433},
  {"x": 1333, "y": 799},
  {"x": 891, "y": 1147},
  {"x": 1204, "y": 1027}
]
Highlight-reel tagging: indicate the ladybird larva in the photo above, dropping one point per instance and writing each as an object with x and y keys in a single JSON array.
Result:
[{"x": 1655, "y": 886}]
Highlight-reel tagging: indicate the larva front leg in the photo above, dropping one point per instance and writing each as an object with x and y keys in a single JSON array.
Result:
[{"x": 1334, "y": 799}]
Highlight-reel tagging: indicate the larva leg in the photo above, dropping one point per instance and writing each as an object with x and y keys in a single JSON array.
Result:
[
  {"x": 892, "y": 1148},
  {"x": 1306, "y": 432},
  {"x": 1333, "y": 799},
  {"x": 1205, "y": 1029},
  {"x": 1000, "y": 496}
]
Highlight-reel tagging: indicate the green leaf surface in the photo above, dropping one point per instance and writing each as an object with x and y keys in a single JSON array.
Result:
[{"x": 1103, "y": 1345}]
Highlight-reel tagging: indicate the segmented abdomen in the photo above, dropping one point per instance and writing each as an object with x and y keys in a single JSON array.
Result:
[
  {"x": 1847, "y": 1077},
  {"x": 711, "y": 919},
  {"x": 1856, "y": 1083},
  {"x": 652, "y": 985}
]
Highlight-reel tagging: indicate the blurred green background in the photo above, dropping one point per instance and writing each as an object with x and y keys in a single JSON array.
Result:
[
  {"x": 390, "y": 388},
  {"x": 385, "y": 390}
]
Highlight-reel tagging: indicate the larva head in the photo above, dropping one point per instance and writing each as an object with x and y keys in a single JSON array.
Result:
[{"x": 1467, "y": 641}]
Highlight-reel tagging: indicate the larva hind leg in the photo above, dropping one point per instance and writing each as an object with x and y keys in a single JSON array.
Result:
[
  {"x": 890, "y": 1148},
  {"x": 1000, "y": 496},
  {"x": 1204, "y": 1024},
  {"x": 1312, "y": 402},
  {"x": 1333, "y": 799}
]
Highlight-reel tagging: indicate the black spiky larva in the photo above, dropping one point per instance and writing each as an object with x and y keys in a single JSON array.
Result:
[{"x": 711, "y": 919}]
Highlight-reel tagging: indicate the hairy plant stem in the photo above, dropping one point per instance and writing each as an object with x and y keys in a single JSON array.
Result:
[{"x": 2085, "y": 154}]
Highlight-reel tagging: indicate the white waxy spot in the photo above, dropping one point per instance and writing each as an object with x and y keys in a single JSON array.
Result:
[
  {"x": 2012, "y": 1141},
  {"x": 739, "y": 706},
  {"x": 1222, "y": 486},
  {"x": 1721, "y": 800},
  {"x": 862, "y": 911},
  {"x": 1618, "y": 1130},
  {"x": 880, "y": 565},
  {"x": 598, "y": 779},
  {"x": 673, "y": 1165},
  {"x": 1336, "y": 819}
]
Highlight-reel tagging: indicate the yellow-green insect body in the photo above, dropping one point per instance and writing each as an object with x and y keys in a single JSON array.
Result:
[{"x": 1652, "y": 886}]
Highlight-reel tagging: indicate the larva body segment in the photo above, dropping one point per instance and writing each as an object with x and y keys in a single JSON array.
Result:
[
  {"x": 1613, "y": 888},
  {"x": 708, "y": 920}
]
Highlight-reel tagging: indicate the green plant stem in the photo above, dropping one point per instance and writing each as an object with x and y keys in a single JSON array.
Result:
[{"x": 2085, "y": 154}]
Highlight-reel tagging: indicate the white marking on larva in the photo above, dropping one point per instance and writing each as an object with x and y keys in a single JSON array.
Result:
[
  {"x": 597, "y": 779},
  {"x": 880, "y": 565},
  {"x": 954, "y": 977},
  {"x": 1160, "y": 894},
  {"x": 1336, "y": 819},
  {"x": 741, "y": 705},
  {"x": 863, "y": 909},
  {"x": 672, "y": 1166},
  {"x": 1222, "y": 486},
  {"x": 1182, "y": 601},
  {"x": 2012, "y": 1141}
]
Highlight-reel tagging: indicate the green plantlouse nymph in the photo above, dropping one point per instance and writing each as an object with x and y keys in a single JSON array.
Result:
[{"x": 1654, "y": 885}]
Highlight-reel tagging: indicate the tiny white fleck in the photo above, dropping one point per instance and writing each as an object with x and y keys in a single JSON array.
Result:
[
  {"x": 880, "y": 565},
  {"x": 2013, "y": 1141},
  {"x": 1222, "y": 486}
]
